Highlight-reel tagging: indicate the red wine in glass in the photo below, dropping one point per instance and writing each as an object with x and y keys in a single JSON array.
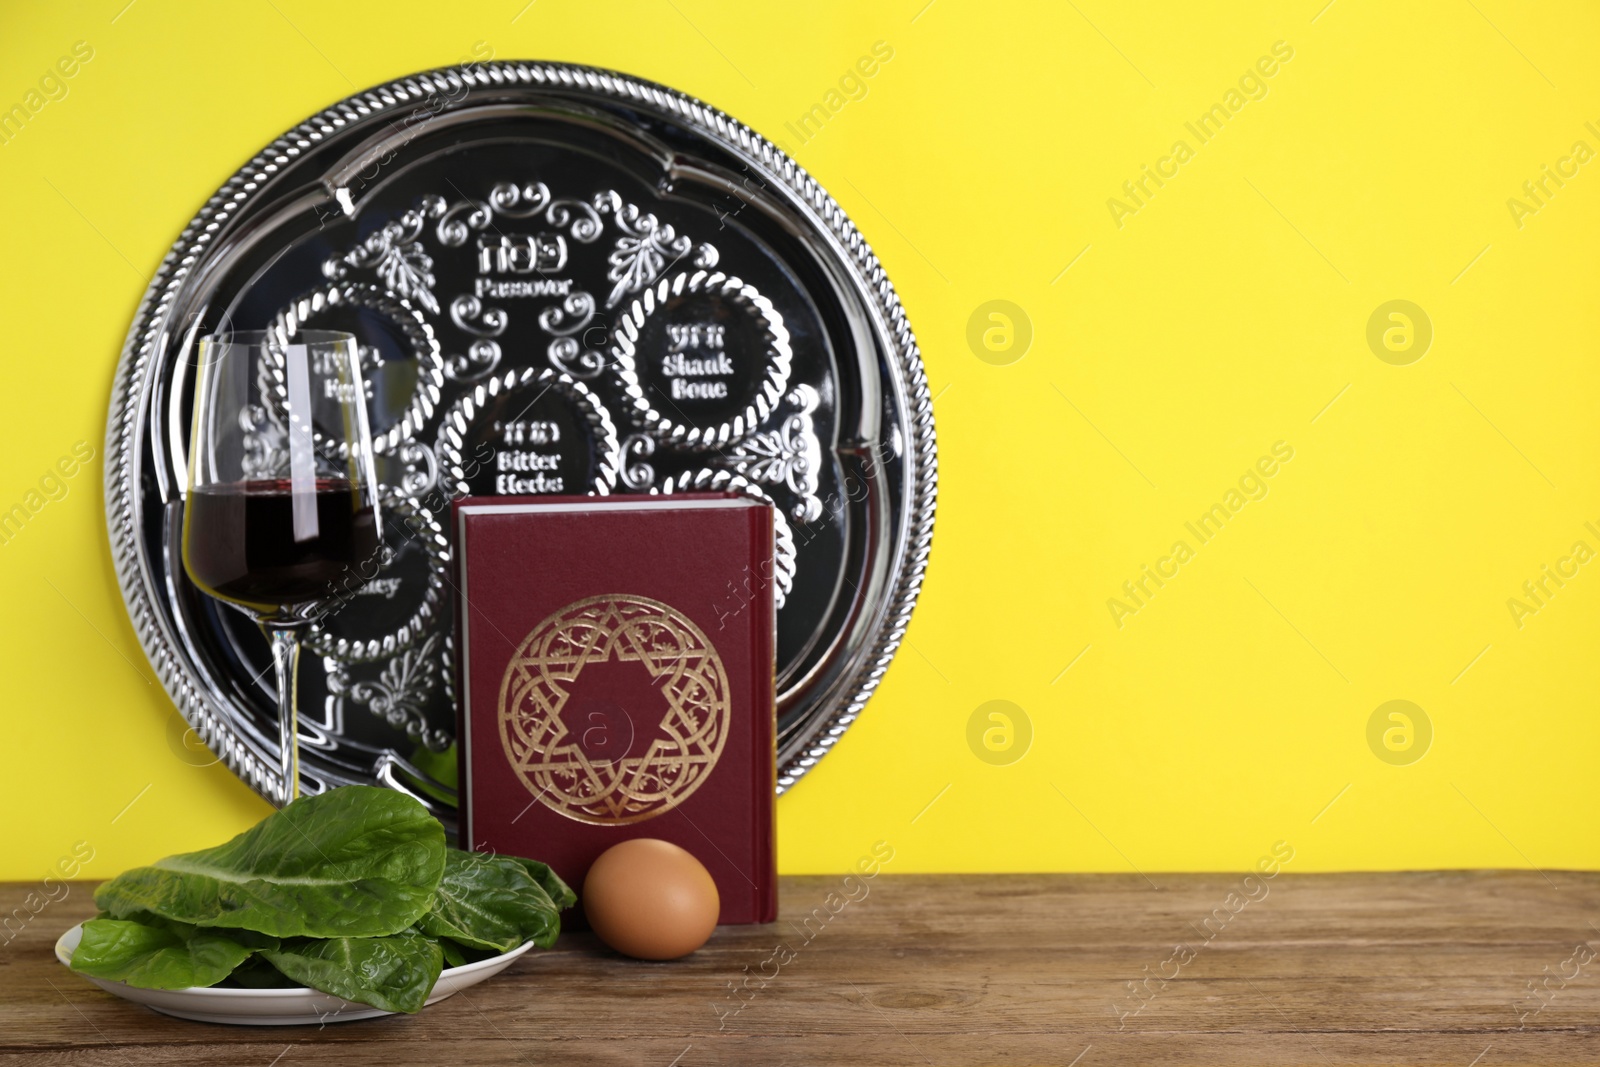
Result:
[{"x": 241, "y": 542}]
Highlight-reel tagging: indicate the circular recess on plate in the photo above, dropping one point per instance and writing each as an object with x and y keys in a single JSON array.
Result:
[
  {"x": 405, "y": 580},
  {"x": 524, "y": 433},
  {"x": 390, "y": 334},
  {"x": 703, "y": 358},
  {"x": 710, "y": 481}
]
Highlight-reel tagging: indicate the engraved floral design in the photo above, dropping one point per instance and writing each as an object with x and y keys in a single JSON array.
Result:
[
  {"x": 646, "y": 248},
  {"x": 789, "y": 455},
  {"x": 456, "y": 223},
  {"x": 636, "y": 473},
  {"x": 469, "y": 315},
  {"x": 419, "y": 471},
  {"x": 398, "y": 259},
  {"x": 520, "y": 201},
  {"x": 533, "y": 199},
  {"x": 401, "y": 692},
  {"x": 561, "y": 321},
  {"x": 459, "y": 221}
]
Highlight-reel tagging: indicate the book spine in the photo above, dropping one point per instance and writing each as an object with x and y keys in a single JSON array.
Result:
[
  {"x": 458, "y": 565},
  {"x": 764, "y": 669}
]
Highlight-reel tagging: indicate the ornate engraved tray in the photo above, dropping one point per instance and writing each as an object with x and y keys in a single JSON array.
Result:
[{"x": 562, "y": 280}]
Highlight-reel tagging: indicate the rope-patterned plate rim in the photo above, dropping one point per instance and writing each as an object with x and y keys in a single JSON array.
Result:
[{"x": 131, "y": 391}]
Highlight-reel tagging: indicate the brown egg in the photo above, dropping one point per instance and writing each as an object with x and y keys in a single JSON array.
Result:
[{"x": 650, "y": 899}]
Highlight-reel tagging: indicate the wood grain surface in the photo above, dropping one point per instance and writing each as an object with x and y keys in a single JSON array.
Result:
[{"x": 1415, "y": 968}]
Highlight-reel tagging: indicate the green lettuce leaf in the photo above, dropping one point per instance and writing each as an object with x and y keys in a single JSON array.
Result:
[
  {"x": 248, "y": 938},
  {"x": 257, "y": 973},
  {"x": 491, "y": 902},
  {"x": 453, "y": 956},
  {"x": 164, "y": 956},
  {"x": 393, "y": 973},
  {"x": 549, "y": 881},
  {"x": 458, "y": 954},
  {"x": 357, "y": 861}
]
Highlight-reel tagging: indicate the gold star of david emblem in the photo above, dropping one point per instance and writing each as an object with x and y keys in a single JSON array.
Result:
[{"x": 651, "y": 680}]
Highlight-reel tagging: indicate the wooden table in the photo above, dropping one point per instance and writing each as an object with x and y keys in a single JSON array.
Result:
[{"x": 1306, "y": 969}]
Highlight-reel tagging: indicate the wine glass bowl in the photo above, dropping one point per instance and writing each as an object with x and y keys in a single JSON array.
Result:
[
  {"x": 242, "y": 544},
  {"x": 281, "y": 513}
]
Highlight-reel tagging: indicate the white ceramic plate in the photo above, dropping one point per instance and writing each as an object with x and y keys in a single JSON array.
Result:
[{"x": 276, "y": 1007}]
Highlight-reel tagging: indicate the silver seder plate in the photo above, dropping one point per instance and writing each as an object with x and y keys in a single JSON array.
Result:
[{"x": 562, "y": 280}]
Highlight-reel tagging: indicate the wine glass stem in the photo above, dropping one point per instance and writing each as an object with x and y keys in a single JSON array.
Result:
[{"x": 286, "y": 661}]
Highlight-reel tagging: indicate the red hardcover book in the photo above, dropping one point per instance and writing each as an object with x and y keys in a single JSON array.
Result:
[{"x": 616, "y": 661}]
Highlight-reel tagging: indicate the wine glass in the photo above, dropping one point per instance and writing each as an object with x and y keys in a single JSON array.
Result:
[{"x": 282, "y": 512}]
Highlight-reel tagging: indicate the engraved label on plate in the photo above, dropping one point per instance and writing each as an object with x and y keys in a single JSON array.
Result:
[
  {"x": 520, "y": 254},
  {"x": 696, "y": 366},
  {"x": 528, "y": 459},
  {"x": 701, "y": 359},
  {"x": 385, "y": 588},
  {"x": 334, "y": 370},
  {"x": 518, "y": 287}
]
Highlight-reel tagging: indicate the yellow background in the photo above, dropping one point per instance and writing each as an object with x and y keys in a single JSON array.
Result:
[{"x": 1225, "y": 315}]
